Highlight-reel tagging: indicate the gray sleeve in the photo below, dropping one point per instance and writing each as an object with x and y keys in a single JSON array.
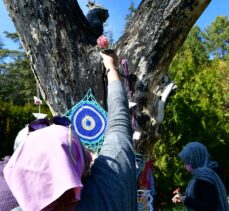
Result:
[
  {"x": 112, "y": 183},
  {"x": 119, "y": 126}
]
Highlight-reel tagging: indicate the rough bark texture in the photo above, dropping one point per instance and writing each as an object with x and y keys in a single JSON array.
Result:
[
  {"x": 156, "y": 32},
  {"x": 61, "y": 46}
]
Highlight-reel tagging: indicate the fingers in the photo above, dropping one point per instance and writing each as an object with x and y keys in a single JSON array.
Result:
[
  {"x": 110, "y": 59},
  {"x": 176, "y": 198},
  {"x": 108, "y": 51},
  {"x": 108, "y": 54}
]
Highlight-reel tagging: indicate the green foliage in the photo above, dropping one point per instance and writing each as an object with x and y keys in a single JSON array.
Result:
[
  {"x": 17, "y": 88},
  {"x": 130, "y": 14},
  {"x": 198, "y": 111},
  {"x": 12, "y": 120},
  {"x": 17, "y": 83},
  {"x": 217, "y": 37},
  {"x": 13, "y": 36},
  {"x": 109, "y": 35}
]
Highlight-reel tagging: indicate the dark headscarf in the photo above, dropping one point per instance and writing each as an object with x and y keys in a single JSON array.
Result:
[{"x": 196, "y": 155}]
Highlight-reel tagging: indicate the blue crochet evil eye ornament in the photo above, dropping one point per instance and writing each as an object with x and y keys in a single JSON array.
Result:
[{"x": 89, "y": 121}]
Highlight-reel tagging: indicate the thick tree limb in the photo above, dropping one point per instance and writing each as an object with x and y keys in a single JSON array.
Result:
[
  {"x": 60, "y": 44},
  {"x": 156, "y": 32}
]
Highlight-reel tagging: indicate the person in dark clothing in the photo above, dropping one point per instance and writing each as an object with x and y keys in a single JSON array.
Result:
[
  {"x": 112, "y": 183},
  {"x": 205, "y": 191}
]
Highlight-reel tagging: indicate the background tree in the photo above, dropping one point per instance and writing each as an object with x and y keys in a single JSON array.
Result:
[
  {"x": 17, "y": 82},
  {"x": 17, "y": 88},
  {"x": 131, "y": 11},
  {"x": 217, "y": 37},
  {"x": 197, "y": 112}
]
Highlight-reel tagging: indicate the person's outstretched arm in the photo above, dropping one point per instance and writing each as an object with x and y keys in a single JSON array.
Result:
[{"x": 112, "y": 183}]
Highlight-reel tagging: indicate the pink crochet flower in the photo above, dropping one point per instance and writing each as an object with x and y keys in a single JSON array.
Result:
[
  {"x": 37, "y": 101},
  {"x": 102, "y": 42}
]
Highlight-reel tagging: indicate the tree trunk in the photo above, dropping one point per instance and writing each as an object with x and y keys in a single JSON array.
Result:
[{"x": 61, "y": 45}]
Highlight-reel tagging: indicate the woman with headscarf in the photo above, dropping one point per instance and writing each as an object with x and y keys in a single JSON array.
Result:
[{"x": 205, "y": 191}]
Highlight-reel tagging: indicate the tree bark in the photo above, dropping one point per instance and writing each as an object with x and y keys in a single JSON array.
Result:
[{"x": 61, "y": 46}]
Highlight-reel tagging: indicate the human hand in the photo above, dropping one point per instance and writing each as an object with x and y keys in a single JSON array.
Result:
[
  {"x": 110, "y": 59},
  {"x": 178, "y": 198}
]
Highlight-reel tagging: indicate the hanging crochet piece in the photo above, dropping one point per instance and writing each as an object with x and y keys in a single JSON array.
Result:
[
  {"x": 145, "y": 200},
  {"x": 145, "y": 179},
  {"x": 89, "y": 121}
]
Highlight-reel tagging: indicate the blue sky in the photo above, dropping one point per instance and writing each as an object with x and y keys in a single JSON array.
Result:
[{"x": 118, "y": 10}]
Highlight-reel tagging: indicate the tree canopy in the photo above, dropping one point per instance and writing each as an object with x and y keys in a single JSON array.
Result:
[
  {"x": 198, "y": 111},
  {"x": 216, "y": 37},
  {"x": 17, "y": 82}
]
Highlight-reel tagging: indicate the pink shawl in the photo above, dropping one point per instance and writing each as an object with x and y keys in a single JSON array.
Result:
[{"x": 44, "y": 167}]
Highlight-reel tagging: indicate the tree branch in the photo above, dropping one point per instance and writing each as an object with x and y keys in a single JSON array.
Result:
[
  {"x": 61, "y": 46},
  {"x": 60, "y": 43}
]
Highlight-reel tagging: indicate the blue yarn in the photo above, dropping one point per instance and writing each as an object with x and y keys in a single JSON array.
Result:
[{"x": 89, "y": 121}]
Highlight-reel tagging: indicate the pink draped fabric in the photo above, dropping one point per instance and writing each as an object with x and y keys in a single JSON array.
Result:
[{"x": 44, "y": 167}]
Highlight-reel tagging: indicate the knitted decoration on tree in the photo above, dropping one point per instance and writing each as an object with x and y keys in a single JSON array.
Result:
[
  {"x": 145, "y": 183},
  {"x": 144, "y": 200},
  {"x": 145, "y": 179},
  {"x": 89, "y": 121}
]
